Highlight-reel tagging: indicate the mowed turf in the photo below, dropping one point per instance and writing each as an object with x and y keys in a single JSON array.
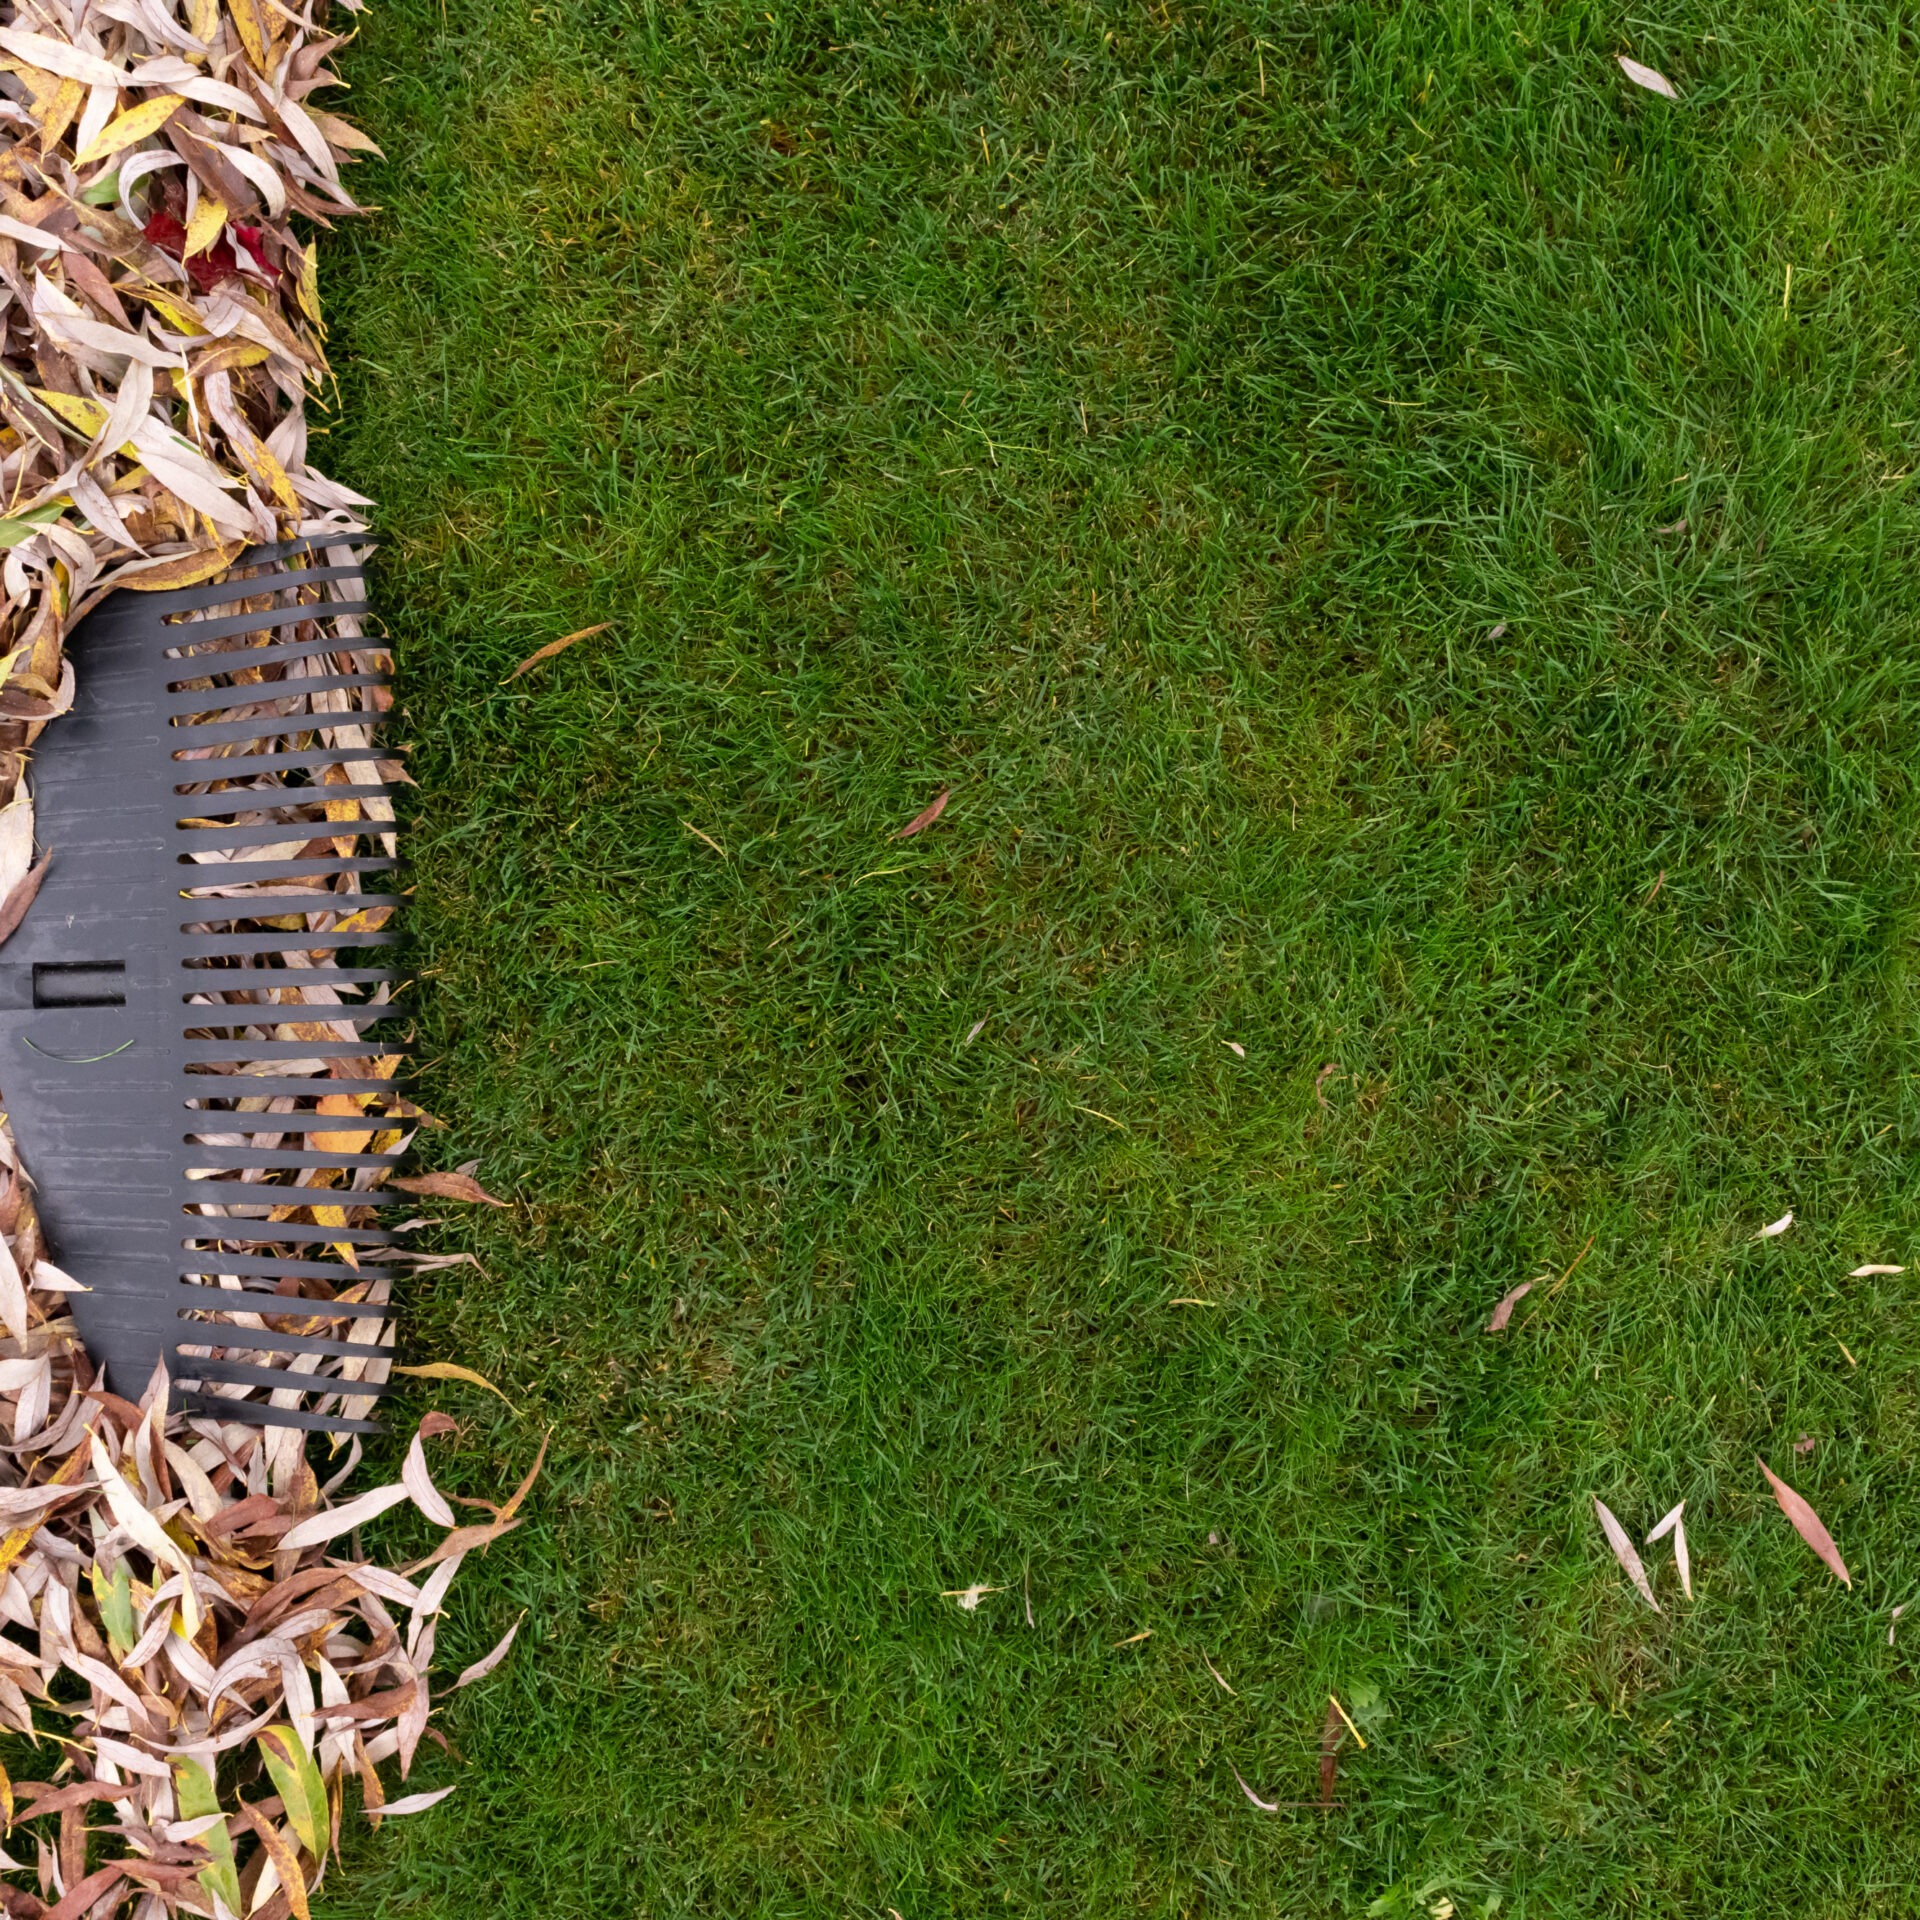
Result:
[{"x": 1418, "y": 620}]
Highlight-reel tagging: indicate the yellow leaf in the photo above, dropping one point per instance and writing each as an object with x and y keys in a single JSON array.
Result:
[
  {"x": 137, "y": 123},
  {"x": 204, "y": 228},
  {"x": 184, "y": 319},
  {"x": 259, "y": 461},
  {"x": 203, "y": 19},
  {"x": 187, "y": 569},
  {"x": 255, "y": 36},
  {"x": 67, "y": 99},
  {"x": 310, "y": 285},
  {"x": 228, "y": 355},
  {"x": 87, "y": 415},
  {"x": 342, "y": 1103},
  {"x": 337, "y": 1217},
  {"x": 446, "y": 1370}
]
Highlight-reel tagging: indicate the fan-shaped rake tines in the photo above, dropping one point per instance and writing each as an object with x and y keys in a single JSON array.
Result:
[{"x": 195, "y": 1038}]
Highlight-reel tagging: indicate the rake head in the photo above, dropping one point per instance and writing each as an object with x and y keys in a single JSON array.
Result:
[{"x": 191, "y": 1012}]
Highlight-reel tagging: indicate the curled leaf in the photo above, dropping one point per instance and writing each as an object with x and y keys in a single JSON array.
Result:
[
  {"x": 447, "y": 1370},
  {"x": 1773, "y": 1228},
  {"x": 1508, "y": 1301},
  {"x": 546, "y": 653},
  {"x": 1265, "y": 1806}
]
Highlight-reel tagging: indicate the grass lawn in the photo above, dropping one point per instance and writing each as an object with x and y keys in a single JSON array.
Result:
[{"x": 1397, "y": 584}]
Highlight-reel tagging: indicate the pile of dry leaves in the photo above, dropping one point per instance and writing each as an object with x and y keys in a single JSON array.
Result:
[{"x": 200, "y": 1654}]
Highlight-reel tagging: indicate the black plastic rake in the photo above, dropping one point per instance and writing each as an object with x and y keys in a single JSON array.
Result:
[{"x": 181, "y": 995}]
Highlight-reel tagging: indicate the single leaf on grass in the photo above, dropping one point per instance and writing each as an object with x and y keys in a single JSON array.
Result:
[
  {"x": 1265, "y": 1806},
  {"x": 1624, "y": 1553},
  {"x": 974, "y": 1032},
  {"x": 1862, "y": 1273},
  {"x": 488, "y": 1661},
  {"x": 410, "y": 1803},
  {"x": 1681, "y": 1559},
  {"x": 193, "y": 1788},
  {"x": 555, "y": 646},
  {"x": 1508, "y": 1301},
  {"x": 302, "y": 1792},
  {"x": 927, "y": 815},
  {"x": 1892, "y": 1618},
  {"x": 1647, "y": 77},
  {"x": 446, "y": 1186},
  {"x": 1666, "y": 1524},
  {"x": 1234, "y": 1046},
  {"x": 1774, "y": 1228},
  {"x": 1807, "y": 1524},
  {"x": 446, "y": 1370}
]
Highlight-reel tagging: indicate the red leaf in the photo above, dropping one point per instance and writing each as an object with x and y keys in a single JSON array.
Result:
[
  {"x": 1807, "y": 1524},
  {"x": 927, "y": 815}
]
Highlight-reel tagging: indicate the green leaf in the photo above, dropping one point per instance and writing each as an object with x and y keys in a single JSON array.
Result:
[
  {"x": 115, "y": 1598},
  {"x": 193, "y": 1787},
  {"x": 25, "y": 526},
  {"x": 297, "y": 1780},
  {"x": 104, "y": 191}
]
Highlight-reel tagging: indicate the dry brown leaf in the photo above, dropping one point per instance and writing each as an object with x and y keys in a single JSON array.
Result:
[
  {"x": 1807, "y": 1524},
  {"x": 1623, "y": 1552},
  {"x": 555, "y": 646},
  {"x": 445, "y": 1186},
  {"x": 1508, "y": 1301},
  {"x": 926, "y": 816}
]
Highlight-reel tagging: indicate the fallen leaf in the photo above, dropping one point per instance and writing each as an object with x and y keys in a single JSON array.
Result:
[
  {"x": 1237, "y": 1048},
  {"x": 1332, "y": 1066},
  {"x": 488, "y": 1661},
  {"x": 446, "y": 1186},
  {"x": 970, "y": 1597},
  {"x": 1646, "y": 77},
  {"x": 707, "y": 837},
  {"x": 1807, "y": 1524},
  {"x": 13, "y": 909},
  {"x": 974, "y": 1032},
  {"x": 1804, "y": 1444},
  {"x": 1675, "y": 526},
  {"x": 1624, "y": 1553},
  {"x": 1215, "y": 1671},
  {"x": 1681, "y": 1559},
  {"x": 1774, "y": 1227},
  {"x": 1667, "y": 1523},
  {"x": 1508, "y": 1301},
  {"x": 555, "y": 646},
  {"x": 927, "y": 815},
  {"x": 1863, "y": 1273},
  {"x": 1842, "y": 1345},
  {"x": 1132, "y": 1639},
  {"x": 446, "y": 1370},
  {"x": 1892, "y": 1617},
  {"x": 1332, "y": 1732},
  {"x": 410, "y": 1803},
  {"x": 1265, "y": 1806},
  {"x": 1497, "y": 633}
]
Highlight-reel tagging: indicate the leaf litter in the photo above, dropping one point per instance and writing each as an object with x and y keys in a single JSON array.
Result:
[
  {"x": 927, "y": 815},
  {"x": 221, "y": 1671}
]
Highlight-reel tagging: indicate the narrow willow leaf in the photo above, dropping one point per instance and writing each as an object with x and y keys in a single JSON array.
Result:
[
  {"x": 927, "y": 815},
  {"x": 488, "y": 1661},
  {"x": 1807, "y": 1524},
  {"x": 1624, "y": 1553},
  {"x": 297, "y": 1780},
  {"x": 1666, "y": 1524},
  {"x": 447, "y": 1370},
  {"x": 556, "y": 646},
  {"x": 1862, "y": 1273},
  {"x": 194, "y": 1790},
  {"x": 1265, "y": 1806},
  {"x": 1647, "y": 77},
  {"x": 1681, "y": 1559},
  {"x": 1508, "y": 1301},
  {"x": 446, "y": 1186},
  {"x": 1774, "y": 1228},
  {"x": 411, "y": 1803},
  {"x": 137, "y": 123}
]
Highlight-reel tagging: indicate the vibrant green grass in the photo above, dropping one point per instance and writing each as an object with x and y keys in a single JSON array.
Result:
[{"x": 1138, "y": 417}]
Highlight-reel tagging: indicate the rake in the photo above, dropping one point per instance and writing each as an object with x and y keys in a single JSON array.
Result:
[{"x": 190, "y": 1010}]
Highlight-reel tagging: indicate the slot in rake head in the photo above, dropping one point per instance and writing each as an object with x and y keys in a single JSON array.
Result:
[{"x": 192, "y": 1011}]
